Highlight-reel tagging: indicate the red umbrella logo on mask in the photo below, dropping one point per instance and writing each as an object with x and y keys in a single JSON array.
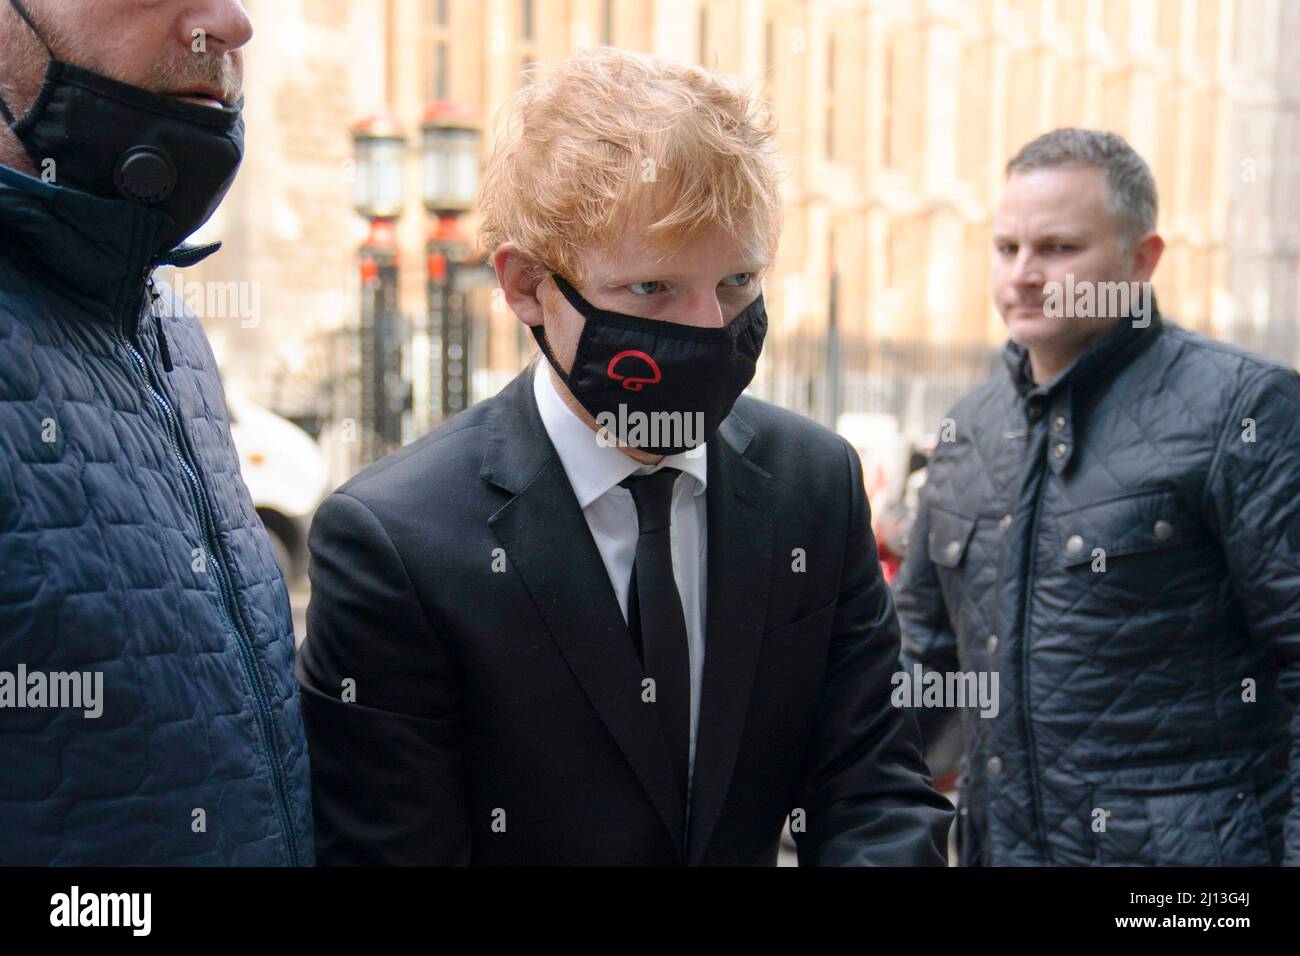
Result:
[{"x": 634, "y": 360}]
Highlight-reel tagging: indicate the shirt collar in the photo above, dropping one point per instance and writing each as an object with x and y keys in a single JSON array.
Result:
[{"x": 593, "y": 468}]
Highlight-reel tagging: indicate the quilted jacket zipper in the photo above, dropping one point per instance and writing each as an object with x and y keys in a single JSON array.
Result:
[
  {"x": 1040, "y": 478},
  {"x": 212, "y": 552}
]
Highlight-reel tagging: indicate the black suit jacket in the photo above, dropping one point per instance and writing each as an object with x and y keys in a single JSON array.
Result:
[{"x": 472, "y": 693}]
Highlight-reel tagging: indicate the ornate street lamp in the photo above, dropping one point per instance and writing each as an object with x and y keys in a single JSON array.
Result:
[
  {"x": 379, "y": 152},
  {"x": 450, "y": 156},
  {"x": 450, "y": 161}
]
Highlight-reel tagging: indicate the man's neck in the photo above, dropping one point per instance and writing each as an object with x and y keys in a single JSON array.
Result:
[
  {"x": 12, "y": 153},
  {"x": 1046, "y": 364},
  {"x": 24, "y": 63},
  {"x": 575, "y": 406}
]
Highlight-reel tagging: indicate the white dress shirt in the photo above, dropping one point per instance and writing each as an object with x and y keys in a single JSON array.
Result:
[{"x": 595, "y": 472}]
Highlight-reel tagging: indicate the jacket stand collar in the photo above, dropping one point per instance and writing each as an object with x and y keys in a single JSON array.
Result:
[
  {"x": 1062, "y": 399},
  {"x": 101, "y": 250}
]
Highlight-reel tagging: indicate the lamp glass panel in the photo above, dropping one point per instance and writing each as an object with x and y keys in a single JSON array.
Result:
[{"x": 388, "y": 180}]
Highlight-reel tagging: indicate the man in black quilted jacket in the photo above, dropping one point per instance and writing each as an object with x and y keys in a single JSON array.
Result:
[
  {"x": 148, "y": 711},
  {"x": 1112, "y": 527}
]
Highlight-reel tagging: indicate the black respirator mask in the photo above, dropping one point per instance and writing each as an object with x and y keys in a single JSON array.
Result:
[
  {"x": 658, "y": 386},
  {"x": 117, "y": 141}
]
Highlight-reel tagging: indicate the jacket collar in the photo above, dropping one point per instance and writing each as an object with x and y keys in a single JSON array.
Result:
[
  {"x": 100, "y": 249},
  {"x": 1062, "y": 400},
  {"x": 1094, "y": 364}
]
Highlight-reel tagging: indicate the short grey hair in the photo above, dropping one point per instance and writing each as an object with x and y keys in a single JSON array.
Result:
[{"x": 1131, "y": 189}]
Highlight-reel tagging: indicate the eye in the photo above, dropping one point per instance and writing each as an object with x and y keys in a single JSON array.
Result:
[
  {"x": 1063, "y": 249},
  {"x": 1006, "y": 248},
  {"x": 744, "y": 277},
  {"x": 636, "y": 288}
]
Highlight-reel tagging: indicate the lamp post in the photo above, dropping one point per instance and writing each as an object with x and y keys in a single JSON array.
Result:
[
  {"x": 834, "y": 353},
  {"x": 379, "y": 149},
  {"x": 450, "y": 160}
]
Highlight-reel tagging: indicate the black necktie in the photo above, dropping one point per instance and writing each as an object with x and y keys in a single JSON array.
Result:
[{"x": 655, "y": 613}]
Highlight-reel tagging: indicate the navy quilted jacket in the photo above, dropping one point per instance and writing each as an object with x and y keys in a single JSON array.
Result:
[
  {"x": 1122, "y": 547},
  {"x": 129, "y": 547}
]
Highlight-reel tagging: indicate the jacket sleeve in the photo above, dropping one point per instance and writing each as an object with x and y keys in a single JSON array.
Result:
[
  {"x": 866, "y": 791},
  {"x": 1253, "y": 502},
  {"x": 928, "y": 638},
  {"x": 381, "y": 703}
]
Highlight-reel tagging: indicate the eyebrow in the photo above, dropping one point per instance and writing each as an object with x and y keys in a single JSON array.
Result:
[
  {"x": 647, "y": 274},
  {"x": 1047, "y": 237}
]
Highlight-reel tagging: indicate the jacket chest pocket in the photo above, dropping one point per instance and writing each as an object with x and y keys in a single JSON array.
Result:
[
  {"x": 951, "y": 548},
  {"x": 949, "y": 538},
  {"x": 1129, "y": 526},
  {"x": 803, "y": 639}
]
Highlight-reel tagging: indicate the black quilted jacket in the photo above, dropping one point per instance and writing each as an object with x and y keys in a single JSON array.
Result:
[
  {"x": 1122, "y": 547},
  {"x": 129, "y": 548}
]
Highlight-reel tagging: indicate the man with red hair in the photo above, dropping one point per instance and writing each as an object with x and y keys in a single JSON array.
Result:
[{"x": 616, "y": 614}]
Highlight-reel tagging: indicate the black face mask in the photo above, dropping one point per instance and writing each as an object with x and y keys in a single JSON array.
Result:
[
  {"x": 656, "y": 385},
  {"x": 118, "y": 141}
]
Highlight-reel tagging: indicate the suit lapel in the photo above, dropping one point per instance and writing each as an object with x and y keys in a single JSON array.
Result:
[
  {"x": 548, "y": 542},
  {"x": 739, "y": 567}
]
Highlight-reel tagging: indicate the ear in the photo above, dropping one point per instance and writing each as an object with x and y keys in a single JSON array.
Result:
[
  {"x": 1146, "y": 255},
  {"x": 517, "y": 276}
]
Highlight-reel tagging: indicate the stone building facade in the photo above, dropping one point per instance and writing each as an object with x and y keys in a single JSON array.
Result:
[{"x": 897, "y": 117}]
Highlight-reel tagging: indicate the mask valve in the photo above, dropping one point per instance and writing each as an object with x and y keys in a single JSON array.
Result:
[{"x": 145, "y": 174}]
